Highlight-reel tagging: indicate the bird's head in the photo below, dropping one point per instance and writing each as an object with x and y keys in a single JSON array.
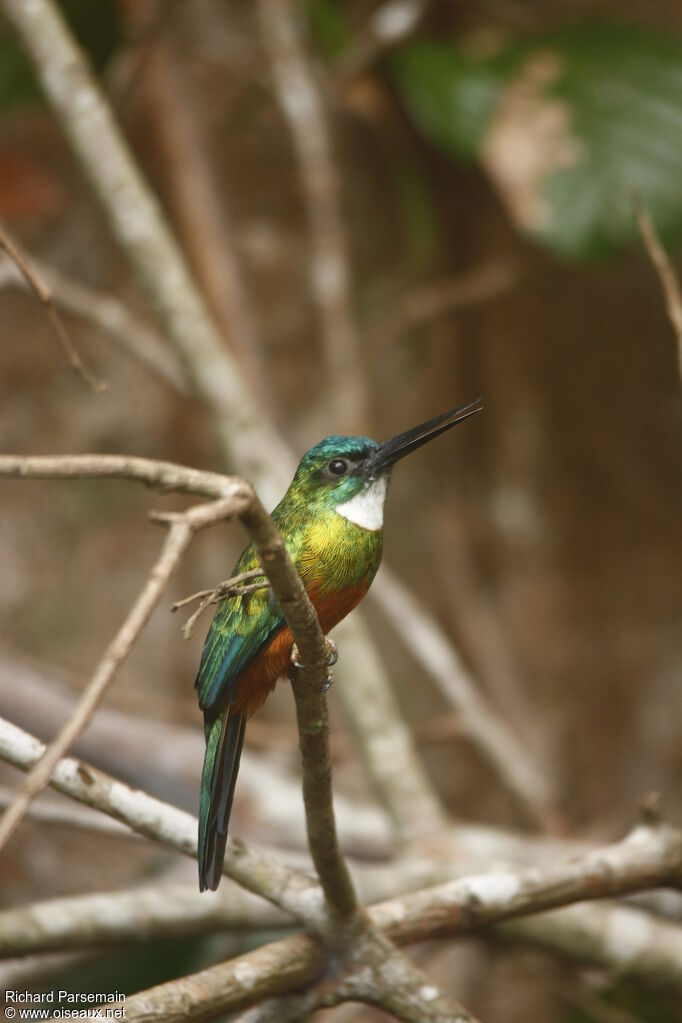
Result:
[{"x": 350, "y": 474}]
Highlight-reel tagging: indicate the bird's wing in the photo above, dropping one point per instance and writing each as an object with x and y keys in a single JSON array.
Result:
[{"x": 242, "y": 627}]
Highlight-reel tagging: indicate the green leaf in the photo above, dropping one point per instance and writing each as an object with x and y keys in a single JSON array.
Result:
[
  {"x": 568, "y": 125},
  {"x": 450, "y": 97}
]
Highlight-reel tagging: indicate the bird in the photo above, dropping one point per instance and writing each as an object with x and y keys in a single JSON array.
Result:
[{"x": 331, "y": 518}]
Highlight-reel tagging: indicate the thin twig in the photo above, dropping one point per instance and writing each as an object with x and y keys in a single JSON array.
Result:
[
  {"x": 163, "y": 476},
  {"x": 666, "y": 274},
  {"x": 223, "y": 589},
  {"x": 435, "y": 298},
  {"x": 44, "y": 295},
  {"x": 229, "y": 588},
  {"x": 478, "y": 720},
  {"x": 182, "y": 528},
  {"x": 104, "y": 311}
]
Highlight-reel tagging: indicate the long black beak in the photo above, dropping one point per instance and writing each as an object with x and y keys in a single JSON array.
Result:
[{"x": 397, "y": 447}]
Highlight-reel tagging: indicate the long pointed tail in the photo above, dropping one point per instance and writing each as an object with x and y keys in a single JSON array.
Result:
[{"x": 224, "y": 741}]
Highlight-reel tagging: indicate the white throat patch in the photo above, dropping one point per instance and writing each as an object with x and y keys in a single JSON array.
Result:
[{"x": 366, "y": 509}]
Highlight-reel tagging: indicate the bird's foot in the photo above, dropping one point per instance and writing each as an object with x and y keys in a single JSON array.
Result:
[
  {"x": 332, "y": 651},
  {"x": 333, "y": 656}
]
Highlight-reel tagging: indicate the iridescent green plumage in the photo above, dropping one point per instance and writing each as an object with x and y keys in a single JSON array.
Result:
[
  {"x": 329, "y": 552},
  {"x": 333, "y": 557},
  {"x": 331, "y": 518}
]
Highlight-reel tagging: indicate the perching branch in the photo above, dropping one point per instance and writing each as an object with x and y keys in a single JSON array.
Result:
[
  {"x": 302, "y": 103},
  {"x": 344, "y": 925},
  {"x": 650, "y": 856},
  {"x": 44, "y": 296},
  {"x": 163, "y": 476}
]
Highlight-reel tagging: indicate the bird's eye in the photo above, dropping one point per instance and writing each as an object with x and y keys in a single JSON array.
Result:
[{"x": 337, "y": 466}]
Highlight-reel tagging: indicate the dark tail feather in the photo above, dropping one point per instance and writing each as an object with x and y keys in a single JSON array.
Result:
[{"x": 224, "y": 741}]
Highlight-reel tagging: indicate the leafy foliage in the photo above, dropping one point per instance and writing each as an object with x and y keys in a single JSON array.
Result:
[{"x": 567, "y": 124}]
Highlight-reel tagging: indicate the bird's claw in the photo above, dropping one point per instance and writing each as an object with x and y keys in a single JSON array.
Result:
[
  {"x": 332, "y": 652},
  {"x": 333, "y": 656},
  {"x": 327, "y": 684}
]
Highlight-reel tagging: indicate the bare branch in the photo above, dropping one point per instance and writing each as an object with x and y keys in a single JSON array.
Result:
[
  {"x": 383, "y": 738},
  {"x": 198, "y": 206},
  {"x": 182, "y": 528},
  {"x": 303, "y": 108},
  {"x": 67, "y": 815},
  {"x": 289, "y": 889},
  {"x": 626, "y": 942},
  {"x": 139, "y": 914},
  {"x": 44, "y": 295},
  {"x": 647, "y": 857},
  {"x": 428, "y": 301},
  {"x": 274, "y": 968},
  {"x": 106, "y": 312},
  {"x": 478, "y": 719},
  {"x": 162, "y": 756},
  {"x": 137, "y": 223},
  {"x": 164, "y": 476},
  {"x": 666, "y": 274},
  {"x": 229, "y": 588}
]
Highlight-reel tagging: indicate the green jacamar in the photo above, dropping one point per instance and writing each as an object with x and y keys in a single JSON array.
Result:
[{"x": 331, "y": 518}]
